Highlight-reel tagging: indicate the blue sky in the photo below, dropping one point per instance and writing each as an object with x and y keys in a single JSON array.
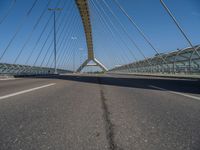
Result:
[{"x": 109, "y": 48}]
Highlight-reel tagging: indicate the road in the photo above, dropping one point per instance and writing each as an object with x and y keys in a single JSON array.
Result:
[{"x": 99, "y": 112}]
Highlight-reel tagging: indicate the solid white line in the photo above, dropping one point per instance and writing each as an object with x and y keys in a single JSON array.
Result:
[
  {"x": 25, "y": 91},
  {"x": 5, "y": 79},
  {"x": 178, "y": 93}
]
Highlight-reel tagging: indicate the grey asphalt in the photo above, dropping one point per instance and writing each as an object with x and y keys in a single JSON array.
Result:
[{"x": 100, "y": 112}]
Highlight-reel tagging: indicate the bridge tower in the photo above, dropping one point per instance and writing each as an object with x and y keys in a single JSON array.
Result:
[{"x": 85, "y": 15}]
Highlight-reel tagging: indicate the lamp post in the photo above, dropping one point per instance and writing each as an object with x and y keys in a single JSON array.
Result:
[
  {"x": 74, "y": 38},
  {"x": 74, "y": 61},
  {"x": 55, "y": 52},
  {"x": 81, "y": 54}
]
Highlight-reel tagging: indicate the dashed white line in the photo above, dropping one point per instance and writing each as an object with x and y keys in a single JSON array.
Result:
[
  {"x": 178, "y": 93},
  {"x": 25, "y": 91}
]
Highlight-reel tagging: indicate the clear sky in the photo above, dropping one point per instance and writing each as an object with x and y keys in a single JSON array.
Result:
[{"x": 111, "y": 45}]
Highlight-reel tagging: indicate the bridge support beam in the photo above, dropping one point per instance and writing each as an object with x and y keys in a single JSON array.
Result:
[
  {"x": 85, "y": 16},
  {"x": 85, "y": 63}
]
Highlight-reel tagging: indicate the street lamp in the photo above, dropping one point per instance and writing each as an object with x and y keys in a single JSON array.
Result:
[
  {"x": 74, "y": 38},
  {"x": 81, "y": 54},
  {"x": 55, "y": 55}
]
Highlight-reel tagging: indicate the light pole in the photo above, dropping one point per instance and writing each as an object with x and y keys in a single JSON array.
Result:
[
  {"x": 74, "y": 38},
  {"x": 81, "y": 54},
  {"x": 74, "y": 61},
  {"x": 55, "y": 52}
]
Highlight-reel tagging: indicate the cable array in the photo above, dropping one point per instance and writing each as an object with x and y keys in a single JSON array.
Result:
[
  {"x": 113, "y": 42},
  {"x": 36, "y": 51}
]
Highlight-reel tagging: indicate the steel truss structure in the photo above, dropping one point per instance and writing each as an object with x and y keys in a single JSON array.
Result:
[
  {"x": 185, "y": 60},
  {"x": 16, "y": 69}
]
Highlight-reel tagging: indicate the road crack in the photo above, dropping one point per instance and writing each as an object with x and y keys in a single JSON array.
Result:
[{"x": 106, "y": 116}]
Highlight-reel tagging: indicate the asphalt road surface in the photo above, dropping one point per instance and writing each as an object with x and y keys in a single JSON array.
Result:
[{"x": 102, "y": 112}]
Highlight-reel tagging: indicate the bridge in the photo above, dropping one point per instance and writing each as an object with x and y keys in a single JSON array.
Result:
[{"x": 97, "y": 74}]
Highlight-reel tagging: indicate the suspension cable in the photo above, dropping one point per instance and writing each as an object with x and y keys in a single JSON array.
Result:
[
  {"x": 31, "y": 34},
  {"x": 121, "y": 39},
  {"x": 107, "y": 27},
  {"x": 59, "y": 36},
  {"x": 40, "y": 36},
  {"x": 126, "y": 32},
  {"x": 18, "y": 29},
  {"x": 12, "y": 4},
  {"x": 139, "y": 30},
  {"x": 48, "y": 36}
]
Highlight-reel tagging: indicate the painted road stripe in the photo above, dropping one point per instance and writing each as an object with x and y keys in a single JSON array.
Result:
[
  {"x": 26, "y": 91},
  {"x": 5, "y": 79},
  {"x": 178, "y": 93}
]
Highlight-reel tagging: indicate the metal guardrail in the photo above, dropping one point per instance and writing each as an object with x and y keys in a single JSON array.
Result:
[
  {"x": 180, "y": 61},
  {"x": 16, "y": 69}
]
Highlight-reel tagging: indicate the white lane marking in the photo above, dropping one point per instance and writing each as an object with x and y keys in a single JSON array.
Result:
[
  {"x": 26, "y": 91},
  {"x": 178, "y": 93},
  {"x": 5, "y": 79}
]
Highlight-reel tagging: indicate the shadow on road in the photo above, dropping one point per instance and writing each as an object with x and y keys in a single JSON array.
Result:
[{"x": 177, "y": 85}]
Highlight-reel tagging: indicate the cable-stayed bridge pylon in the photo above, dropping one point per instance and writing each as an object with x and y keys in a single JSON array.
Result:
[{"x": 85, "y": 15}]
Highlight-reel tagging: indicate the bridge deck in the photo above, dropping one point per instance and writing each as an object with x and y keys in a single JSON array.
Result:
[{"x": 99, "y": 112}]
